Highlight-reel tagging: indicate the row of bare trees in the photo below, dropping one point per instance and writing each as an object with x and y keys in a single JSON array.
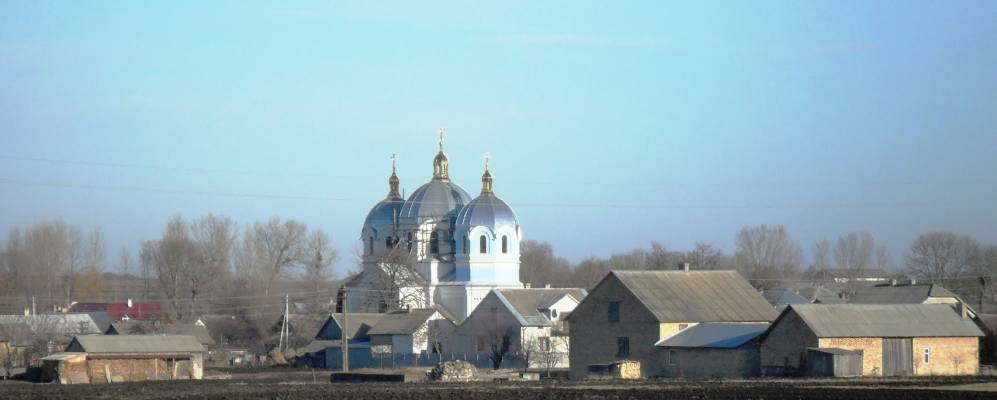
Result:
[
  {"x": 53, "y": 263},
  {"x": 192, "y": 257}
]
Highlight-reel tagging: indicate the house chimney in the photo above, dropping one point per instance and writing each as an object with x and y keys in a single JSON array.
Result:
[{"x": 547, "y": 286}]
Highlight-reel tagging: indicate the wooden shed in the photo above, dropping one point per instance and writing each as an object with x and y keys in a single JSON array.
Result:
[
  {"x": 98, "y": 358},
  {"x": 834, "y": 362}
]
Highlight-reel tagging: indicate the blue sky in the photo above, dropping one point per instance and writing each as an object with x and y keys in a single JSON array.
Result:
[{"x": 611, "y": 123}]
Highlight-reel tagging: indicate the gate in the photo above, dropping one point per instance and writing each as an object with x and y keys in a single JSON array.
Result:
[{"x": 898, "y": 357}]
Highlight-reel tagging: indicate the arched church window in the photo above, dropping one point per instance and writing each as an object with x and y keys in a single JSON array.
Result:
[
  {"x": 483, "y": 244},
  {"x": 434, "y": 243},
  {"x": 370, "y": 245},
  {"x": 505, "y": 244}
]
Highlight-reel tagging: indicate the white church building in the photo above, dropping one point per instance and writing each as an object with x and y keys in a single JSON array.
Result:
[{"x": 439, "y": 248}]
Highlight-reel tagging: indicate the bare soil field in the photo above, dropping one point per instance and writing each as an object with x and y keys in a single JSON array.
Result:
[{"x": 292, "y": 384}]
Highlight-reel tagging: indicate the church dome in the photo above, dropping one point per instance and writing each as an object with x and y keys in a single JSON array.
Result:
[
  {"x": 486, "y": 210},
  {"x": 434, "y": 200},
  {"x": 384, "y": 216}
]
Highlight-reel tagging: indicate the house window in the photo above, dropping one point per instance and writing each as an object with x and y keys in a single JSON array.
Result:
[
  {"x": 553, "y": 313},
  {"x": 673, "y": 357},
  {"x": 623, "y": 346},
  {"x": 926, "y": 356},
  {"x": 434, "y": 243},
  {"x": 483, "y": 244},
  {"x": 505, "y": 245},
  {"x": 544, "y": 343},
  {"x": 614, "y": 311}
]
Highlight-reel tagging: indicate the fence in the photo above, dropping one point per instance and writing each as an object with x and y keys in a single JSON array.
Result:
[{"x": 364, "y": 358}]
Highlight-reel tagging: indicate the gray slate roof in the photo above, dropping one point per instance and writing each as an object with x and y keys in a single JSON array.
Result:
[
  {"x": 526, "y": 304},
  {"x": 65, "y": 325},
  {"x": 697, "y": 296},
  {"x": 359, "y": 325},
  {"x": 885, "y": 320},
  {"x": 135, "y": 327},
  {"x": 900, "y": 294},
  {"x": 716, "y": 335},
  {"x": 782, "y": 296},
  {"x": 402, "y": 322},
  {"x": 131, "y": 344}
]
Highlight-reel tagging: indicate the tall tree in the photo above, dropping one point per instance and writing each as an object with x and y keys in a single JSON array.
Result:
[
  {"x": 705, "y": 257},
  {"x": 213, "y": 239},
  {"x": 854, "y": 250},
  {"x": 171, "y": 257},
  {"x": 766, "y": 254},
  {"x": 822, "y": 254},
  {"x": 320, "y": 256},
  {"x": 281, "y": 244},
  {"x": 884, "y": 260},
  {"x": 940, "y": 255},
  {"x": 540, "y": 266}
]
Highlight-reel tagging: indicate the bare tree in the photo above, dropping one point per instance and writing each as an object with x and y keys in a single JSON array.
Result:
[
  {"x": 281, "y": 245},
  {"x": 765, "y": 255},
  {"x": 540, "y": 266},
  {"x": 853, "y": 250},
  {"x": 172, "y": 256},
  {"x": 822, "y": 254},
  {"x": 213, "y": 239},
  {"x": 659, "y": 258},
  {"x": 396, "y": 283},
  {"x": 941, "y": 255},
  {"x": 705, "y": 257},
  {"x": 321, "y": 255},
  {"x": 884, "y": 260}
]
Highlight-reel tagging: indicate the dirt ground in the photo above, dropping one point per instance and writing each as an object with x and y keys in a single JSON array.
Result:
[{"x": 298, "y": 384}]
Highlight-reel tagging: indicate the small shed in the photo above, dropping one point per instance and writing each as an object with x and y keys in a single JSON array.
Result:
[
  {"x": 112, "y": 358},
  {"x": 834, "y": 362}
]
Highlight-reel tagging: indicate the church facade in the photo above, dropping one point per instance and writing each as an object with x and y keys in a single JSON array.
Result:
[{"x": 438, "y": 248}]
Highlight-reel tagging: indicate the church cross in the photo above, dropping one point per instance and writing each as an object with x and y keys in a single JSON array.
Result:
[
  {"x": 393, "y": 159},
  {"x": 488, "y": 157},
  {"x": 441, "y": 131}
]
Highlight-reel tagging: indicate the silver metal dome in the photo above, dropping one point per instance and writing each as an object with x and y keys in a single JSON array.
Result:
[
  {"x": 486, "y": 210},
  {"x": 435, "y": 199},
  {"x": 382, "y": 217}
]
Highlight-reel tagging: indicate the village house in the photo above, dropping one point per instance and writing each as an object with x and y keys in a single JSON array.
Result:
[
  {"x": 330, "y": 334},
  {"x": 904, "y": 293},
  {"x": 415, "y": 331},
  {"x": 54, "y": 331},
  {"x": 895, "y": 339},
  {"x": 112, "y": 358},
  {"x": 631, "y": 315},
  {"x": 525, "y": 323}
]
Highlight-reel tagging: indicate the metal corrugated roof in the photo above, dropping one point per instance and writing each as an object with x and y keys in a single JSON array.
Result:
[
  {"x": 403, "y": 322},
  {"x": 136, "y": 344},
  {"x": 716, "y": 335},
  {"x": 900, "y": 294},
  {"x": 697, "y": 296},
  {"x": 885, "y": 320}
]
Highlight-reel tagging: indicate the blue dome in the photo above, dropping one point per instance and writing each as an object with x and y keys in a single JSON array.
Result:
[
  {"x": 381, "y": 218},
  {"x": 486, "y": 210},
  {"x": 435, "y": 199}
]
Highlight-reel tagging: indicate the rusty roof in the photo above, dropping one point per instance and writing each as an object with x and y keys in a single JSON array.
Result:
[{"x": 697, "y": 296}]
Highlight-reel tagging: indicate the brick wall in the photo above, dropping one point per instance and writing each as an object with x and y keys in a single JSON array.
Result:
[
  {"x": 948, "y": 356},
  {"x": 872, "y": 351}
]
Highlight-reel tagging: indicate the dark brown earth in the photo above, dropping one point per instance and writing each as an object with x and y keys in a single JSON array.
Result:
[{"x": 287, "y": 384}]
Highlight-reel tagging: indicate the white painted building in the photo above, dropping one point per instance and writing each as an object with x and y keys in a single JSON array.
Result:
[{"x": 459, "y": 248}]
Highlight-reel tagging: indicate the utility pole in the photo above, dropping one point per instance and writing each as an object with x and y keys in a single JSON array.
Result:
[
  {"x": 344, "y": 342},
  {"x": 282, "y": 344},
  {"x": 33, "y": 306}
]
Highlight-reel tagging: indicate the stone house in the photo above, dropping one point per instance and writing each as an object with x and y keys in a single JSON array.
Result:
[
  {"x": 528, "y": 322},
  {"x": 629, "y": 312},
  {"x": 415, "y": 331},
  {"x": 895, "y": 339},
  {"x": 112, "y": 358}
]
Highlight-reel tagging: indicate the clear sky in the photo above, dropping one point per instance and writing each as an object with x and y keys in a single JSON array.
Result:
[{"x": 611, "y": 123}]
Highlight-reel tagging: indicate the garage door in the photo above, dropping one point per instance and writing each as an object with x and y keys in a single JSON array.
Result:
[{"x": 898, "y": 357}]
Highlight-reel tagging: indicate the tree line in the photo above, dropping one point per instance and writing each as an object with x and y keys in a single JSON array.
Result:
[{"x": 767, "y": 256}]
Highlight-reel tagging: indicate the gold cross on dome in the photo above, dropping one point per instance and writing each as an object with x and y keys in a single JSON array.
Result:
[
  {"x": 488, "y": 157},
  {"x": 441, "y": 131},
  {"x": 393, "y": 159}
]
